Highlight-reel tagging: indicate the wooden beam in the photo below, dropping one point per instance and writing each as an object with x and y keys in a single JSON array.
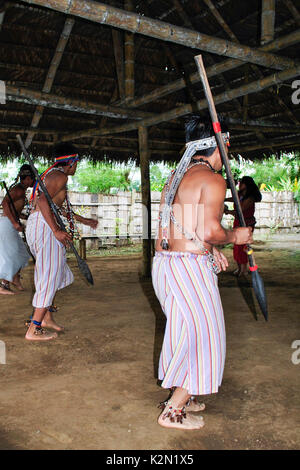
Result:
[
  {"x": 175, "y": 113},
  {"x": 105, "y": 14},
  {"x": 267, "y": 129},
  {"x": 293, "y": 10},
  {"x": 267, "y": 21},
  {"x": 69, "y": 23},
  {"x": 146, "y": 199},
  {"x": 33, "y": 97},
  {"x": 119, "y": 60},
  {"x": 129, "y": 58},
  {"x": 212, "y": 71},
  {"x": 220, "y": 20},
  {"x": 294, "y": 143}
]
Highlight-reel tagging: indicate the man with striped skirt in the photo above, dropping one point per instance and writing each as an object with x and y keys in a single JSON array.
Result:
[
  {"x": 184, "y": 277},
  {"x": 48, "y": 242}
]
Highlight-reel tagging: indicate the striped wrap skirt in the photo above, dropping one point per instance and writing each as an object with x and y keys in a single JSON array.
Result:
[
  {"x": 194, "y": 346},
  {"x": 51, "y": 270}
]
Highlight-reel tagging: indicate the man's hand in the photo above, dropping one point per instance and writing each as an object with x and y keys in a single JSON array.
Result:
[
  {"x": 62, "y": 237},
  {"x": 220, "y": 259},
  {"x": 243, "y": 235},
  {"x": 19, "y": 227},
  {"x": 91, "y": 223}
]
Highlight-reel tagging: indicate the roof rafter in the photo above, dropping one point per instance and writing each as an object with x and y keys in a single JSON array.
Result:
[
  {"x": 105, "y": 14},
  {"x": 252, "y": 87},
  {"x": 62, "y": 42},
  {"x": 34, "y": 97},
  {"x": 217, "y": 69}
]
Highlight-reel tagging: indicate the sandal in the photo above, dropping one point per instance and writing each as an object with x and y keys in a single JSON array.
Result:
[
  {"x": 174, "y": 414},
  {"x": 5, "y": 285}
]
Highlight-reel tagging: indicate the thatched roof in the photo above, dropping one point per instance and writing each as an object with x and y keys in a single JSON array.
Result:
[{"x": 90, "y": 77}]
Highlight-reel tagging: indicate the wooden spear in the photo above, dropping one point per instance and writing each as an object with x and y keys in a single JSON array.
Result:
[
  {"x": 257, "y": 281},
  {"x": 82, "y": 265}
]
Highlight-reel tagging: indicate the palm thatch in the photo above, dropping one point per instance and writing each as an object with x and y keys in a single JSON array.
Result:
[{"x": 93, "y": 73}]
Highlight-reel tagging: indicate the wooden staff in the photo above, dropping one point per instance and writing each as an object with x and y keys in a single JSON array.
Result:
[
  {"x": 81, "y": 263},
  {"x": 258, "y": 284}
]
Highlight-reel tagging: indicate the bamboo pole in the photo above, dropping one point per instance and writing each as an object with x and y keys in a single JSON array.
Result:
[
  {"x": 212, "y": 71},
  {"x": 294, "y": 12},
  {"x": 33, "y": 97},
  {"x": 129, "y": 58},
  {"x": 267, "y": 21},
  {"x": 119, "y": 60},
  {"x": 146, "y": 199},
  {"x": 62, "y": 42},
  {"x": 105, "y": 14},
  {"x": 224, "y": 97}
]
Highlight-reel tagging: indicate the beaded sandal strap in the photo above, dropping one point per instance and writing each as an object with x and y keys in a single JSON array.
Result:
[{"x": 173, "y": 413}]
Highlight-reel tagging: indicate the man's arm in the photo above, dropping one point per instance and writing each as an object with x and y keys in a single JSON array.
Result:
[
  {"x": 86, "y": 221},
  {"x": 212, "y": 197},
  {"x": 16, "y": 194},
  {"x": 54, "y": 186}
]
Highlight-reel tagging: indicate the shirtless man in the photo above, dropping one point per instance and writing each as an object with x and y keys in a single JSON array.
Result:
[
  {"x": 13, "y": 253},
  {"x": 48, "y": 242},
  {"x": 185, "y": 281}
]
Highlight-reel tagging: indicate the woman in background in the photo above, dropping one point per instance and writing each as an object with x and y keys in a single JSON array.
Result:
[{"x": 248, "y": 194}]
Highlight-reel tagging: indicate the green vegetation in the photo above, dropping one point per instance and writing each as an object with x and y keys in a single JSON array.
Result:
[
  {"x": 102, "y": 177},
  {"x": 271, "y": 173},
  {"x": 274, "y": 173}
]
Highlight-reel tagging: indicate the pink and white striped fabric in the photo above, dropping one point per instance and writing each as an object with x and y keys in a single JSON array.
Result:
[
  {"x": 51, "y": 270},
  {"x": 194, "y": 346}
]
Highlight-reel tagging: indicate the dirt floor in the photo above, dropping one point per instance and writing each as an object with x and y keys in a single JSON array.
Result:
[{"x": 95, "y": 386}]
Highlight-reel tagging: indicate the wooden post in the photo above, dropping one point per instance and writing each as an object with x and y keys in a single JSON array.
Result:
[
  {"x": 110, "y": 16},
  {"x": 146, "y": 200},
  {"x": 267, "y": 21},
  {"x": 129, "y": 58},
  {"x": 82, "y": 248}
]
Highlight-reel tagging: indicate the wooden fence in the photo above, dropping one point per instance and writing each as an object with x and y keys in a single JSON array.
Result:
[{"x": 120, "y": 215}]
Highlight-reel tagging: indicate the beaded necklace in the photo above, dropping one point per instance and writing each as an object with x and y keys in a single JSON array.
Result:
[{"x": 211, "y": 263}]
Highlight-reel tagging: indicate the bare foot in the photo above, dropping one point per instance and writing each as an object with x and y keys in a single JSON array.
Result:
[
  {"x": 194, "y": 406},
  {"x": 49, "y": 322},
  {"x": 52, "y": 325},
  {"x": 35, "y": 333},
  {"x": 18, "y": 285},
  {"x": 178, "y": 419},
  {"x": 6, "y": 291}
]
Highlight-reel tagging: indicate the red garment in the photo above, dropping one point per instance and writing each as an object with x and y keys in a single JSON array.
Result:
[{"x": 239, "y": 253}]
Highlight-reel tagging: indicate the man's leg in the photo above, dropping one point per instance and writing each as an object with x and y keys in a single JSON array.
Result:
[
  {"x": 49, "y": 322},
  {"x": 35, "y": 331},
  {"x": 174, "y": 414},
  {"x": 17, "y": 281},
  {"x": 5, "y": 288}
]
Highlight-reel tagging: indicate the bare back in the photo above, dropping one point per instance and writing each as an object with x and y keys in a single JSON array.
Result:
[
  {"x": 198, "y": 204},
  {"x": 56, "y": 185},
  {"x": 18, "y": 195}
]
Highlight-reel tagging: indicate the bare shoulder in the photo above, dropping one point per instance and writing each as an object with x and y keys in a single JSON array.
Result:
[
  {"x": 56, "y": 177},
  {"x": 17, "y": 192},
  {"x": 217, "y": 180}
]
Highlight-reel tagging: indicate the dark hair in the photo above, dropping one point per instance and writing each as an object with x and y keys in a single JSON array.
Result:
[
  {"x": 25, "y": 171},
  {"x": 62, "y": 149},
  {"x": 252, "y": 188},
  {"x": 197, "y": 127}
]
